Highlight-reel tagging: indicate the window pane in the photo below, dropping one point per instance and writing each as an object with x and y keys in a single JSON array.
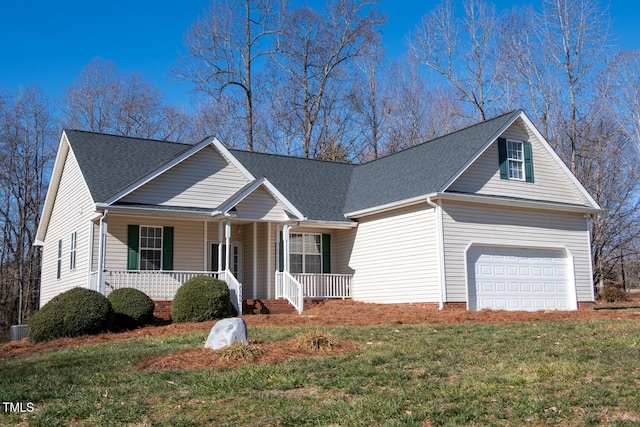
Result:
[
  {"x": 295, "y": 243},
  {"x": 515, "y": 169},
  {"x": 150, "y": 259},
  {"x": 296, "y": 263},
  {"x": 312, "y": 264},
  {"x": 312, "y": 243},
  {"x": 514, "y": 150}
]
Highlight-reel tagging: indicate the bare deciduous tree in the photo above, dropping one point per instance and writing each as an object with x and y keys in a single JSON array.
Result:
[
  {"x": 101, "y": 99},
  {"x": 27, "y": 139},
  {"x": 315, "y": 52},
  {"x": 465, "y": 52},
  {"x": 223, "y": 46}
]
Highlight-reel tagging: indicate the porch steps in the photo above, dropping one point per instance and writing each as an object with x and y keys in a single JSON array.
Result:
[
  {"x": 249, "y": 306},
  {"x": 273, "y": 306}
]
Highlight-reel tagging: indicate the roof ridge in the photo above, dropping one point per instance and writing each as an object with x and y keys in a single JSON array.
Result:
[
  {"x": 286, "y": 156},
  {"x": 125, "y": 136},
  {"x": 446, "y": 135}
]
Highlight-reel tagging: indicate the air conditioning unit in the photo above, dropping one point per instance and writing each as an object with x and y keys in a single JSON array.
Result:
[{"x": 18, "y": 332}]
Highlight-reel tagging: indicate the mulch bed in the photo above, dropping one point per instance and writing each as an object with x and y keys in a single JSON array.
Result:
[
  {"x": 329, "y": 313},
  {"x": 273, "y": 352}
]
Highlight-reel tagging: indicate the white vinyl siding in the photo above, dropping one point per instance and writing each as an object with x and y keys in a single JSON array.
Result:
[
  {"x": 204, "y": 180},
  {"x": 394, "y": 257},
  {"x": 72, "y": 212},
  {"x": 551, "y": 183},
  {"x": 261, "y": 205},
  {"x": 517, "y": 228},
  {"x": 188, "y": 241}
]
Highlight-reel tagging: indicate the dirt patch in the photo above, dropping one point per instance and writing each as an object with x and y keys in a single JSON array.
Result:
[
  {"x": 272, "y": 353},
  {"x": 336, "y": 313}
]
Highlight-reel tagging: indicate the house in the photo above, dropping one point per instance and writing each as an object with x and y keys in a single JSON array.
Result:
[{"x": 487, "y": 217}]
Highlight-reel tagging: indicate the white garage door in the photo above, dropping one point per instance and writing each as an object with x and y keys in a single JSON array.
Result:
[{"x": 517, "y": 279}]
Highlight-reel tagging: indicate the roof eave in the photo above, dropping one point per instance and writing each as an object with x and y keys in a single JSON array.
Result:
[
  {"x": 510, "y": 202},
  {"x": 156, "y": 210},
  {"x": 388, "y": 206}
]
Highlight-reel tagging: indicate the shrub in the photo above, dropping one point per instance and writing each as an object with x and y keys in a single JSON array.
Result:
[
  {"x": 201, "y": 298},
  {"x": 239, "y": 352},
  {"x": 131, "y": 308},
  {"x": 73, "y": 313},
  {"x": 316, "y": 340},
  {"x": 613, "y": 294}
]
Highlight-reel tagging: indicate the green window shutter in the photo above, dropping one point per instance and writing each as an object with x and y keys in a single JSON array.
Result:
[
  {"x": 214, "y": 257},
  {"x": 281, "y": 253},
  {"x": 326, "y": 253},
  {"x": 167, "y": 248},
  {"x": 133, "y": 245},
  {"x": 528, "y": 161},
  {"x": 502, "y": 158}
]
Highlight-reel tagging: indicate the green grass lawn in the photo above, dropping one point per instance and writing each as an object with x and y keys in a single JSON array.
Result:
[{"x": 544, "y": 373}]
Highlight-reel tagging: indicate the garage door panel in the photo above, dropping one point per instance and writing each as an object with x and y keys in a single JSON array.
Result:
[{"x": 517, "y": 279}]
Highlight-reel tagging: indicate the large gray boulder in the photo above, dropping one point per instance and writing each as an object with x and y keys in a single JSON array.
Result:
[{"x": 227, "y": 332}]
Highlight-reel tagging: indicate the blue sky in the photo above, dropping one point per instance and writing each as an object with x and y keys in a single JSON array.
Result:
[{"x": 49, "y": 43}]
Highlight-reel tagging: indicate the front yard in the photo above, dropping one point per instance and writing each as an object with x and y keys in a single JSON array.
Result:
[{"x": 539, "y": 369}]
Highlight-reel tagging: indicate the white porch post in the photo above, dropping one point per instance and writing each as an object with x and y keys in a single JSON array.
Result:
[
  {"x": 269, "y": 260},
  {"x": 278, "y": 242},
  {"x": 285, "y": 236},
  {"x": 220, "y": 240},
  {"x": 255, "y": 260},
  {"x": 204, "y": 243},
  {"x": 227, "y": 242},
  {"x": 102, "y": 250}
]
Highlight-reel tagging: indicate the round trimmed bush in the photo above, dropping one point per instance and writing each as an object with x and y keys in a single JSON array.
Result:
[
  {"x": 75, "y": 312},
  {"x": 131, "y": 308},
  {"x": 201, "y": 298}
]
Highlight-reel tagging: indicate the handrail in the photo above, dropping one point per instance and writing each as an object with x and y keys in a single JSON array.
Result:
[
  {"x": 288, "y": 287},
  {"x": 235, "y": 289}
]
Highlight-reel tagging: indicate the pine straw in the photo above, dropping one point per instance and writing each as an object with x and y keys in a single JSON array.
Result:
[
  {"x": 334, "y": 313},
  {"x": 272, "y": 353}
]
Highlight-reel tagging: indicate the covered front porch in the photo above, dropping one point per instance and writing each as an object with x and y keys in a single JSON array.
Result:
[{"x": 158, "y": 253}]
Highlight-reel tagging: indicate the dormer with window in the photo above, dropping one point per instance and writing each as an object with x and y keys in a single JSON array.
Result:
[{"x": 516, "y": 160}]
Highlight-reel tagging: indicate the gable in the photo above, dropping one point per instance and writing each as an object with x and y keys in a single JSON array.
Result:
[
  {"x": 551, "y": 183},
  {"x": 260, "y": 205},
  {"x": 422, "y": 169},
  {"x": 68, "y": 199},
  {"x": 203, "y": 180}
]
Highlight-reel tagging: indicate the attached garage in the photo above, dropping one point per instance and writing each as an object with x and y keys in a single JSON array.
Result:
[{"x": 529, "y": 279}]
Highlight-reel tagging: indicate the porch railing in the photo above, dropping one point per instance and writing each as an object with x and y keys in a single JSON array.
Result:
[
  {"x": 235, "y": 289},
  {"x": 288, "y": 287},
  {"x": 159, "y": 285},
  {"x": 325, "y": 285}
]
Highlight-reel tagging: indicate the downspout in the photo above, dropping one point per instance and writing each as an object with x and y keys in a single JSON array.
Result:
[
  {"x": 440, "y": 250},
  {"x": 102, "y": 250}
]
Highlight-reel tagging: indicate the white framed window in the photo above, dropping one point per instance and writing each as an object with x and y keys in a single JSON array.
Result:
[
  {"x": 515, "y": 158},
  {"x": 305, "y": 253},
  {"x": 59, "y": 264},
  {"x": 72, "y": 251},
  {"x": 150, "y": 248}
]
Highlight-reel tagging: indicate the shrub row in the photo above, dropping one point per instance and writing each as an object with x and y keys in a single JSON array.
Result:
[{"x": 82, "y": 311}]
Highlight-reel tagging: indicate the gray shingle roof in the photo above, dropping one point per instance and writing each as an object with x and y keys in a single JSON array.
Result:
[
  {"x": 317, "y": 188},
  {"x": 321, "y": 190},
  {"x": 111, "y": 163},
  {"x": 422, "y": 169}
]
